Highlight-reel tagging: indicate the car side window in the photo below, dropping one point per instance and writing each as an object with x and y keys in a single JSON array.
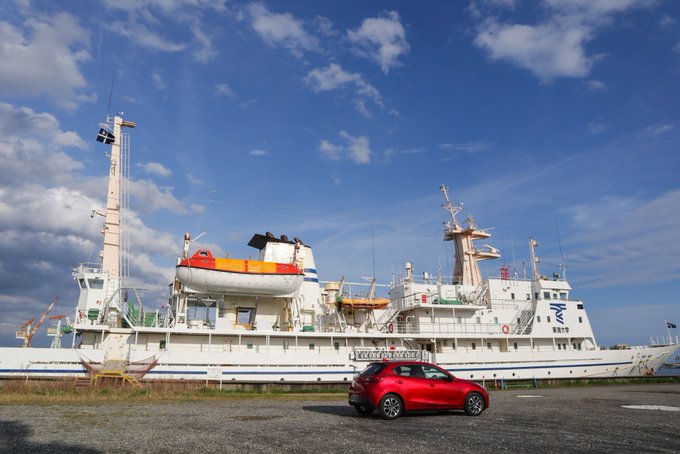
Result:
[
  {"x": 434, "y": 373},
  {"x": 409, "y": 370}
]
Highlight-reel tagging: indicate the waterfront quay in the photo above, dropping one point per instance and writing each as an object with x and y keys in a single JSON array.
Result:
[{"x": 579, "y": 419}]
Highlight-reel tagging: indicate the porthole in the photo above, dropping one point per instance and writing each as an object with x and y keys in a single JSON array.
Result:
[
  {"x": 548, "y": 372},
  {"x": 513, "y": 374},
  {"x": 318, "y": 379}
]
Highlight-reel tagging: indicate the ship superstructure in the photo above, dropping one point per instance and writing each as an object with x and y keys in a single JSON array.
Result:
[{"x": 272, "y": 320}]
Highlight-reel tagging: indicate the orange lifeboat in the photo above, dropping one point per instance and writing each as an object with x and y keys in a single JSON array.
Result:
[{"x": 205, "y": 273}]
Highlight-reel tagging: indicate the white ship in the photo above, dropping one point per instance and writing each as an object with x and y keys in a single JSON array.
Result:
[{"x": 271, "y": 320}]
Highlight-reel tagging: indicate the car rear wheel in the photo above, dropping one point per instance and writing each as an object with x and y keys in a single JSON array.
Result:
[
  {"x": 363, "y": 409},
  {"x": 474, "y": 404},
  {"x": 390, "y": 406}
]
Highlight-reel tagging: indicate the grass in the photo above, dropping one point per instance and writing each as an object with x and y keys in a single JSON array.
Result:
[{"x": 66, "y": 392}]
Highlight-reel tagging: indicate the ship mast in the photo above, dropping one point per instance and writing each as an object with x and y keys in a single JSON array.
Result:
[
  {"x": 110, "y": 254},
  {"x": 466, "y": 270}
]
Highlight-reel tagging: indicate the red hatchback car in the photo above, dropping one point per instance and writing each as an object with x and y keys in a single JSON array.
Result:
[{"x": 397, "y": 386}]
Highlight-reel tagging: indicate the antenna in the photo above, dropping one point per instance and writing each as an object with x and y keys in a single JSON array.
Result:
[
  {"x": 113, "y": 82},
  {"x": 373, "y": 248},
  {"x": 559, "y": 242}
]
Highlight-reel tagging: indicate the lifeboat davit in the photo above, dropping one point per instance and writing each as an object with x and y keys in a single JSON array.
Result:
[{"x": 205, "y": 273}]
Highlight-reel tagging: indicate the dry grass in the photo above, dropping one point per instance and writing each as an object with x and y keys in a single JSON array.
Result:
[{"x": 20, "y": 392}]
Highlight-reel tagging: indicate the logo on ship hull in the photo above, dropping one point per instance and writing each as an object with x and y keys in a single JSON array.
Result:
[{"x": 558, "y": 308}]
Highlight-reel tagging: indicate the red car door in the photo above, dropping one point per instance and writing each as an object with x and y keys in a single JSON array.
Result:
[
  {"x": 413, "y": 386},
  {"x": 443, "y": 390}
]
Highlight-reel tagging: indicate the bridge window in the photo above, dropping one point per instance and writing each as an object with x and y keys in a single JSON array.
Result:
[
  {"x": 96, "y": 283},
  {"x": 563, "y": 295},
  {"x": 579, "y": 306},
  {"x": 546, "y": 295},
  {"x": 82, "y": 283},
  {"x": 580, "y": 319}
]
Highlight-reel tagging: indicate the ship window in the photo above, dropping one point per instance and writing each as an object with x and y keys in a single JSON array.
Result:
[
  {"x": 285, "y": 345},
  {"x": 311, "y": 345},
  {"x": 162, "y": 345},
  {"x": 203, "y": 253},
  {"x": 488, "y": 345},
  {"x": 580, "y": 319},
  {"x": 548, "y": 317},
  {"x": 249, "y": 345},
  {"x": 546, "y": 295},
  {"x": 538, "y": 319},
  {"x": 336, "y": 345},
  {"x": 528, "y": 296},
  {"x": 512, "y": 296},
  {"x": 478, "y": 320},
  {"x": 559, "y": 346},
  {"x": 495, "y": 320},
  {"x": 82, "y": 283},
  {"x": 244, "y": 314},
  {"x": 96, "y": 283},
  {"x": 515, "y": 345},
  {"x": 536, "y": 295},
  {"x": 563, "y": 295},
  {"x": 579, "y": 306},
  {"x": 474, "y": 346},
  {"x": 579, "y": 345}
]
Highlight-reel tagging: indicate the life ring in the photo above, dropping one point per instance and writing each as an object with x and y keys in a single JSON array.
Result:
[
  {"x": 390, "y": 328},
  {"x": 505, "y": 329}
]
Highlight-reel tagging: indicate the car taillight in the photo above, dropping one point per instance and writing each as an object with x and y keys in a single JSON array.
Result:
[{"x": 375, "y": 379}]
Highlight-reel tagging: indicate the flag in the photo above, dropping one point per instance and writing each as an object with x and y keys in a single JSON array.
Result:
[
  {"x": 105, "y": 137},
  {"x": 670, "y": 325}
]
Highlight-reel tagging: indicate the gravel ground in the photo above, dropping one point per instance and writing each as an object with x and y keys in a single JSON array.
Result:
[{"x": 589, "y": 419}]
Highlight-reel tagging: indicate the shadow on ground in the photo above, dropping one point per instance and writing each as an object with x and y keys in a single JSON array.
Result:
[{"x": 14, "y": 437}]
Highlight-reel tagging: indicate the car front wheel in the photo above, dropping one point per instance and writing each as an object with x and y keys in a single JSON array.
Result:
[
  {"x": 363, "y": 409},
  {"x": 474, "y": 404},
  {"x": 390, "y": 406}
]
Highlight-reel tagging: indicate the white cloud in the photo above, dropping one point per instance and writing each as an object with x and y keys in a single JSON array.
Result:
[
  {"x": 44, "y": 57},
  {"x": 467, "y": 148},
  {"x": 158, "y": 81},
  {"x": 555, "y": 47},
  {"x": 325, "y": 26},
  {"x": 143, "y": 17},
  {"x": 258, "y": 152},
  {"x": 224, "y": 90},
  {"x": 281, "y": 30},
  {"x": 381, "y": 39},
  {"x": 356, "y": 149},
  {"x": 596, "y": 85},
  {"x": 151, "y": 197},
  {"x": 336, "y": 180},
  {"x": 156, "y": 168},
  {"x": 666, "y": 21},
  {"x": 596, "y": 127},
  {"x": 142, "y": 36},
  {"x": 333, "y": 77},
  {"x": 656, "y": 130}
]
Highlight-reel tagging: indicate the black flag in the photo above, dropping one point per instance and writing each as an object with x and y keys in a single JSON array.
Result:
[{"x": 105, "y": 137}]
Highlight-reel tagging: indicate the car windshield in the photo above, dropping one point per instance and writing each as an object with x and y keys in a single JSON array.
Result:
[{"x": 372, "y": 369}]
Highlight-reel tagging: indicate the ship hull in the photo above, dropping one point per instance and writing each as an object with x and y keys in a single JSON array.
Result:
[{"x": 248, "y": 357}]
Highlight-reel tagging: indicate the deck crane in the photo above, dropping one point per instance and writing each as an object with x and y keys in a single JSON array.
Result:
[{"x": 28, "y": 330}]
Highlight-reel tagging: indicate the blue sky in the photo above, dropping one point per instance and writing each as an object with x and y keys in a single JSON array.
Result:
[{"x": 337, "y": 122}]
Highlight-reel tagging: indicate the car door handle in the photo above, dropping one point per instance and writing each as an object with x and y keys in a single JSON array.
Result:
[
  {"x": 432, "y": 385},
  {"x": 400, "y": 381}
]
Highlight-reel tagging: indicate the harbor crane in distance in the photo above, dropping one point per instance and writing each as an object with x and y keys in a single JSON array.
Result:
[{"x": 28, "y": 329}]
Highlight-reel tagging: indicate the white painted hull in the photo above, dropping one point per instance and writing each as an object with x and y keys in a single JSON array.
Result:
[
  {"x": 213, "y": 281},
  {"x": 216, "y": 363}
]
